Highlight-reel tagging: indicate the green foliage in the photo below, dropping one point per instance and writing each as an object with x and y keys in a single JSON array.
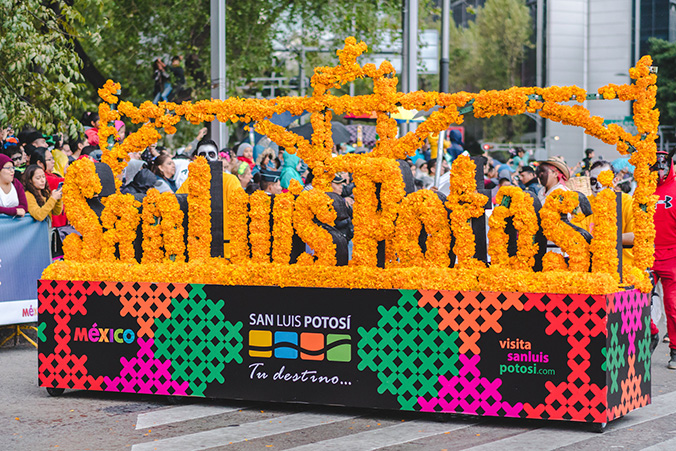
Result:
[
  {"x": 40, "y": 79},
  {"x": 504, "y": 30},
  {"x": 41, "y": 82},
  {"x": 664, "y": 57},
  {"x": 488, "y": 55},
  {"x": 135, "y": 32}
]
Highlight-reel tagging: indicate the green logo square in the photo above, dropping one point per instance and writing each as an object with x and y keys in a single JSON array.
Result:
[{"x": 340, "y": 348}]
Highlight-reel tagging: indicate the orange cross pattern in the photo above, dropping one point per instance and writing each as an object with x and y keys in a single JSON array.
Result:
[
  {"x": 567, "y": 401},
  {"x": 145, "y": 301},
  {"x": 475, "y": 313},
  {"x": 632, "y": 397}
]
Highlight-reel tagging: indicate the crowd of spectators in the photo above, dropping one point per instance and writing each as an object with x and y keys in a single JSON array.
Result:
[{"x": 34, "y": 167}]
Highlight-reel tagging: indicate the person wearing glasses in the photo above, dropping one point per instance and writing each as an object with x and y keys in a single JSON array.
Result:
[
  {"x": 12, "y": 194},
  {"x": 18, "y": 157}
]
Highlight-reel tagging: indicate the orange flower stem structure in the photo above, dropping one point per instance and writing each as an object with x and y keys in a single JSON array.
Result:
[{"x": 377, "y": 218}]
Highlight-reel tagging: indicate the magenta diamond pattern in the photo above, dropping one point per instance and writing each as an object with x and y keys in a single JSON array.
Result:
[
  {"x": 470, "y": 393},
  {"x": 145, "y": 374}
]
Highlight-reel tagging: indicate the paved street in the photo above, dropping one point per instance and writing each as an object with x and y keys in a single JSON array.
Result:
[{"x": 32, "y": 420}]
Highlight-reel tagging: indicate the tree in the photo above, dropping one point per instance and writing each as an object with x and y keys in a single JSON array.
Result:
[
  {"x": 135, "y": 32},
  {"x": 132, "y": 33},
  {"x": 40, "y": 80},
  {"x": 504, "y": 29},
  {"x": 664, "y": 57},
  {"x": 488, "y": 55}
]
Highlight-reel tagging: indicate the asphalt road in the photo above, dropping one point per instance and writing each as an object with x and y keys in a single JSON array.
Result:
[{"x": 78, "y": 420}]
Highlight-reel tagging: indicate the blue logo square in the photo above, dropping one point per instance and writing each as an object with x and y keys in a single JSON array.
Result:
[{"x": 286, "y": 352}]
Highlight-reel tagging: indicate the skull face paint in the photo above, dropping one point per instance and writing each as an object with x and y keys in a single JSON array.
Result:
[{"x": 661, "y": 166}]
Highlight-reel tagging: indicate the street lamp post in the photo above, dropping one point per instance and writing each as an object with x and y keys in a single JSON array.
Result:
[
  {"x": 443, "y": 76},
  {"x": 410, "y": 52},
  {"x": 219, "y": 130}
]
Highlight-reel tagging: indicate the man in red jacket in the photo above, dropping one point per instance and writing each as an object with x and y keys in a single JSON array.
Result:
[{"x": 665, "y": 243}]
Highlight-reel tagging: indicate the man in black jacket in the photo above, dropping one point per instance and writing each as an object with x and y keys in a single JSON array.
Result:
[{"x": 528, "y": 181}]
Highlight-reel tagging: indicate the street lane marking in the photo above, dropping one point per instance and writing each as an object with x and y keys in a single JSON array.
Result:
[
  {"x": 669, "y": 445},
  {"x": 181, "y": 413},
  {"x": 387, "y": 436},
  {"x": 239, "y": 433},
  {"x": 549, "y": 439}
]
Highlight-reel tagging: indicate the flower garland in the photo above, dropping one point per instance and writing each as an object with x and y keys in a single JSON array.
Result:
[
  {"x": 82, "y": 183},
  {"x": 603, "y": 244},
  {"x": 417, "y": 209},
  {"x": 219, "y": 271},
  {"x": 239, "y": 227},
  {"x": 563, "y": 235},
  {"x": 120, "y": 218},
  {"x": 374, "y": 215},
  {"x": 259, "y": 228},
  {"x": 636, "y": 277},
  {"x": 606, "y": 178},
  {"x": 465, "y": 203},
  {"x": 107, "y": 118},
  {"x": 282, "y": 227},
  {"x": 162, "y": 228},
  {"x": 109, "y": 92},
  {"x": 311, "y": 204},
  {"x": 512, "y": 201},
  {"x": 199, "y": 209}
]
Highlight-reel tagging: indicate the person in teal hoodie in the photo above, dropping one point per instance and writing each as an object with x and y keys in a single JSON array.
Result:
[{"x": 290, "y": 169}]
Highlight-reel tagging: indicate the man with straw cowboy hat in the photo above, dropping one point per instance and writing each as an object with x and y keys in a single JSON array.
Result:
[{"x": 553, "y": 174}]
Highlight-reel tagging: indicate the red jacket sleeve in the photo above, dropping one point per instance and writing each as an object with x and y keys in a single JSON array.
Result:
[{"x": 21, "y": 194}]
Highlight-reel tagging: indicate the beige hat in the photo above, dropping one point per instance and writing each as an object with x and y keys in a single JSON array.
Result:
[{"x": 560, "y": 164}]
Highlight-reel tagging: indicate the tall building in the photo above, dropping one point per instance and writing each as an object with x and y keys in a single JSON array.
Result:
[
  {"x": 588, "y": 43},
  {"x": 658, "y": 19}
]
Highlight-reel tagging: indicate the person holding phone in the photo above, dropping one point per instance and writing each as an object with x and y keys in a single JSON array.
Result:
[
  {"x": 42, "y": 157},
  {"x": 42, "y": 202}
]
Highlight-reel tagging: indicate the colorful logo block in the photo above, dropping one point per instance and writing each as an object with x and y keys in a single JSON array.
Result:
[
  {"x": 313, "y": 344},
  {"x": 339, "y": 348},
  {"x": 261, "y": 339},
  {"x": 286, "y": 338}
]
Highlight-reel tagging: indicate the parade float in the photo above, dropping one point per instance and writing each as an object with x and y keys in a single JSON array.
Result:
[{"x": 404, "y": 327}]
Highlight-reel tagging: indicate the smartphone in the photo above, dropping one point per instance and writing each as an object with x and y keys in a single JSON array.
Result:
[{"x": 60, "y": 185}]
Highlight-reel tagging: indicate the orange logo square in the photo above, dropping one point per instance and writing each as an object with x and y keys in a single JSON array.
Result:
[{"x": 312, "y": 344}]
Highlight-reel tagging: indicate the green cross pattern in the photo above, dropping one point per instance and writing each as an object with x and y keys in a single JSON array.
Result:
[
  {"x": 615, "y": 357},
  {"x": 198, "y": 340},
  {"x": 407, "y": 351},
  {"x": 644, "y": 349},
  {"x": 41, "y": 332}
]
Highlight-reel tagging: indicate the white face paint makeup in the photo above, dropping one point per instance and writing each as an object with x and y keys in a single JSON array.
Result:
[{"x": 208, "y": 151}]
